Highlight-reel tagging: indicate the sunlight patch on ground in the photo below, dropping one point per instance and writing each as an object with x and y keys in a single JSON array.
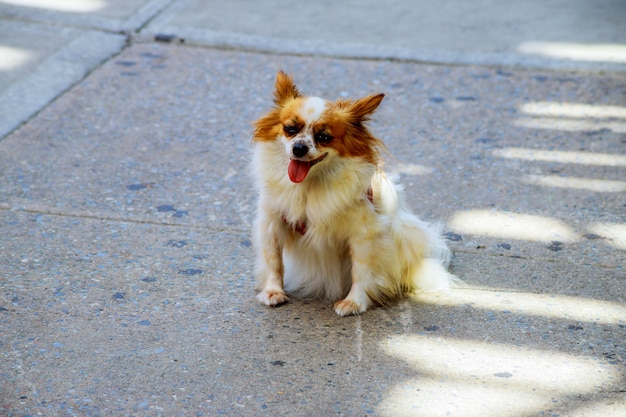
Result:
[
  {"x": 570, "y": 125},
  {"x": 564, "y": 157},
  {"x": 470, "y": 378},
  {"x": 574, "y": 110},
  {"x": 576, "y": 51},
  {"x": 511, "y": 226},
  {"x": 600, "y": 186},
  {"x": 13, "y": 57},
  {"x": 572, "y": 116},
  {"x": 615, "y": 233},
  {"x": 443, "y": 397},
  {"x": 540, "y": 305},
  {"x": 77, "y": 6}
]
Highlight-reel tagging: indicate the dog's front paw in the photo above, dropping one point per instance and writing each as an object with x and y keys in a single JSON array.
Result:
[
  {"x": 347, "y": 307},
  {"x": 272, "y": 297}
]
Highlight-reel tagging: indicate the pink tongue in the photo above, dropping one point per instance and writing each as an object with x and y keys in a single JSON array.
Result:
[{"x": 298, "y": 170}]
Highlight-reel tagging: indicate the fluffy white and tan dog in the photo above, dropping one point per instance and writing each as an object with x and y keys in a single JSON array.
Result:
[{"x": 330, "y": 224}]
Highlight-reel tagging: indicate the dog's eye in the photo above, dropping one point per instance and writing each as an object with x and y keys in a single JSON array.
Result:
[
  {"x": 291, "y": 130},
  {"x": 323, "y": 138}
]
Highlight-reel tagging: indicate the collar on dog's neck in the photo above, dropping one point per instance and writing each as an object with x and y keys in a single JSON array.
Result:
[{"x": 301, "y": 227}]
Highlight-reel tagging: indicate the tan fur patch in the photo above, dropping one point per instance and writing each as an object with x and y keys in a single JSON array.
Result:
[{"x": 344, "y": 120}]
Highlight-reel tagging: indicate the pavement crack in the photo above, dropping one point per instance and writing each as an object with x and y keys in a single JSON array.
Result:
[{"x": 215, "y": 228}]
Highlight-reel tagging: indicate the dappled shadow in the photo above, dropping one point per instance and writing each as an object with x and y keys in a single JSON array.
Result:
[
  {"x": 510, "y": 358},
  {"x": 564, "y": 117},
  {"x": 476, "y": 378},
  {"x": 553, "y": 306},
  {"x": 497, "y": 371}
]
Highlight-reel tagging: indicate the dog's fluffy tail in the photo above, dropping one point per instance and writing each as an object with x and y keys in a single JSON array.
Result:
[
  {"x": 431, "y": 274},
  {"x": 423, "y": 252},
  {"x": 419, "y": 245}
]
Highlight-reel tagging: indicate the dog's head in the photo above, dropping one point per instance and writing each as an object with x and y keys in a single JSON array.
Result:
[{"x": 314, "y": 131}]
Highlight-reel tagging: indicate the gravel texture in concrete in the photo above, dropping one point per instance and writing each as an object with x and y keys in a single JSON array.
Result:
[{"x": 126, "y": 265}]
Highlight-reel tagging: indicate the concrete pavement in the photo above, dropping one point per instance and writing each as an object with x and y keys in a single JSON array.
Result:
[
  {"x": 125, "y": 206},
  {"x": 49, "y": 46}
]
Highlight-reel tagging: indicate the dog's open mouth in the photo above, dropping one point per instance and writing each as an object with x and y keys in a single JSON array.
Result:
[{"x": 298, "y": 170}]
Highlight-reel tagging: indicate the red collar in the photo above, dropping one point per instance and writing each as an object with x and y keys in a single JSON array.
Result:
[{"x": 301, "y": 227}]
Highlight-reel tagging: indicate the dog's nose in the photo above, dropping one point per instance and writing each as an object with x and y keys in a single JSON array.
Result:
[{"x": 299, "y": 149}]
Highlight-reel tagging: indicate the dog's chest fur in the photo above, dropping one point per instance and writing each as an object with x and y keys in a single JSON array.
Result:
[{"x": 324, "y": 202}]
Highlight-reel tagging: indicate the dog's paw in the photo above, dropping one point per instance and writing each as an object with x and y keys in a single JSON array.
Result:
[
  {"x": 347, "y": 307},
  {"x": 272, "y": 297}
]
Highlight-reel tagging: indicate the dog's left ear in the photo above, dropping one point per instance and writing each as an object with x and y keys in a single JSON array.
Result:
[{"x": 364, "y": 107}]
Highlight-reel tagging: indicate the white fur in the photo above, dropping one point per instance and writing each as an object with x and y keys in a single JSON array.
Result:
[
  {"x": 311, "y": 110},
  {"x": 352, "y": 248}
]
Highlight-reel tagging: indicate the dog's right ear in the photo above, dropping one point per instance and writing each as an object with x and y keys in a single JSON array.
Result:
[{"x": 285, "y": 89}]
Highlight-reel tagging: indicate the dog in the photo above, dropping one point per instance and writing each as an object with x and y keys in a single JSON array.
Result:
[{"x": 330, "y": 224}]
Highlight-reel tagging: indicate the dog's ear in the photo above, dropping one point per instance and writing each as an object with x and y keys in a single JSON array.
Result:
[
  {"x": 285, "y": 89},
  {"x": 364, "y": 107}
]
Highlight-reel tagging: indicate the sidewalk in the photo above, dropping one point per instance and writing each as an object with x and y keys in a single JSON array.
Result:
[{"x": 125, "y": 207}]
